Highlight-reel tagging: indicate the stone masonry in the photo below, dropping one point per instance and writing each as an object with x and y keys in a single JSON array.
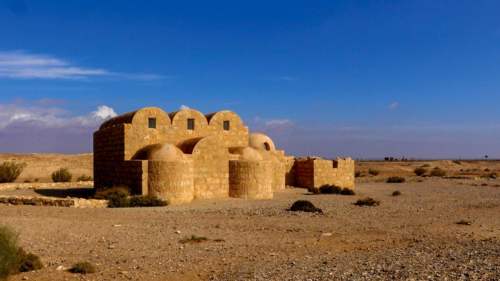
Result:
[{"x": 185, "y": 155}]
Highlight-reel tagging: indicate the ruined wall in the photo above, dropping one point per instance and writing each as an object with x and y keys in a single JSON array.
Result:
[
  {"x": 315, "y": 172},
  {"x": 250, "y": 179},
  {"x": 171, "y": 180}
]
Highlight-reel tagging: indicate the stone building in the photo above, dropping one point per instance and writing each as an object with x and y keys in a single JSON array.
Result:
[{"x": 186, "y": 155}]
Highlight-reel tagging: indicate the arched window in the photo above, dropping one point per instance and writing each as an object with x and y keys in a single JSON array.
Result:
[{"x": 267, "y": 146}]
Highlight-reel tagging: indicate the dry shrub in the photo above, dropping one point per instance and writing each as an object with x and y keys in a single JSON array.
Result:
[
  {"x": 438, "y": 172},
  {"x": 27, "y": 261},
  {"x": 347, "y": 191},
  {"x": 8, "y": 252},
  {"x": 14, "y": 259},
  {"x": 83, "y": 268},
  {"x": 368, "y": 201},
  {"x": 304, "y": 206},
  {"x": 146, "y": 201},
  {"x": 62, "y": 175},
  {"x": 329, "y": 189},
  {"x": 193, "y": 240},
  {"x": 119, "y": 197},
  {"x": 10, "y": 171},
  {"x": 396, "y": 193},
  {"x": 357, "y": 174},
  {"x": 420, "y": 171},
  {"x": 396, "y": 180},
  {"x": 373, "y": 172}
]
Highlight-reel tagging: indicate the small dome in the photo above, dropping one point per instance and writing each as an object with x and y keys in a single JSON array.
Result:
[
  {"x": 248, "y": 153},
  {"x": 260, "y": 141},
  {"x": 160, "y": 152}
]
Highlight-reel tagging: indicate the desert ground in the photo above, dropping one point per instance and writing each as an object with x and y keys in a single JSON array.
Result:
[{"x": 414, "y": 236}]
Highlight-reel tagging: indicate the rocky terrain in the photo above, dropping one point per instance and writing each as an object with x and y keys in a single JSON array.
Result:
[{"x": 414, "y": 236}]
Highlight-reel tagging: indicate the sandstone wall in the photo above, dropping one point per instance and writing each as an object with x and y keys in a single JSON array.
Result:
[
  {"x": 171, "y": 180},
  {"x": 250, "y": 179},
  {"x": 314, "y": 172},
  {"x": 211, "y": 169}
]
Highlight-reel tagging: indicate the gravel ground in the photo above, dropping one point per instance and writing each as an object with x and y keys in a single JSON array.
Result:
[{"x": 409, "y": 237}]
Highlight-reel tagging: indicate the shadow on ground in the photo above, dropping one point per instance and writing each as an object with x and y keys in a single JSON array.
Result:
[{"x": 66, "y": 192}]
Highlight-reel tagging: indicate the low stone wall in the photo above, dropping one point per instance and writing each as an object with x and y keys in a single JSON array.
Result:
[
  {"x": 33, "y": 185},
  {"x": 54, "y": 202}
]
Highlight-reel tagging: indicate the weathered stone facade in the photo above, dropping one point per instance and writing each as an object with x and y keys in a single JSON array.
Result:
[{"x": 186, "y": 155}]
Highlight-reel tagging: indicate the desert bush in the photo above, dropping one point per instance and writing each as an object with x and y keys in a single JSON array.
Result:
[
  {"x": 373, "y": 172},
  {"x": 368, "y": 201},
  {"x": 347, "y": 191},
  {"x": 14, "y": 259},
  {"x": 10, "y": 171},
  {"x": 193, "y": 239},
  {"x": 426, "y": 166},
  {"x": 146, "y": 201},
  {"x": 8, "y": 252},
  {"x": 304, "y": 206},
  {"x": 330, "y": 189},
  {"x": 438, "y": 172},
  {"x": 396, "y": 180},
  {"x": 357, "y": 174},
  {"x": 420, "y": 171},
  {"x": 118, "y": 198},
  {"x": 396, "y": 193},
  {"x": 61, "y": 175},
  {"x": 457, "y": 162},
  {"x": 27, "y": 261},
  {"x": 84, "y": 178},
  {"x": 83, "y": 268}
]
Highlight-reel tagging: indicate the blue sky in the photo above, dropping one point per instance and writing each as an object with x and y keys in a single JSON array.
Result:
[{"x": 362, "y": 78}]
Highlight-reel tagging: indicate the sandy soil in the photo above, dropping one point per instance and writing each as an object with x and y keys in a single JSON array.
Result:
[{"x": 409, "y": 237}]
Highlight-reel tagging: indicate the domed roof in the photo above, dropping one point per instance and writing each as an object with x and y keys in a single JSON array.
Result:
[
  {"x": 248, "y": 153},
  {"x": 261, "y": 141},
  {"x": 160, "y": 152}
]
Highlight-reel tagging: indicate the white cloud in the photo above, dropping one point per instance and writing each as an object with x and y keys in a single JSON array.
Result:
[
  {"x": 183, "y": 107},
  {"x": 394, "y": 105},
  {"x": 22, "y": 65},
  {"x": 104, "y": 112},
  {"x": 13, "y": 115}
]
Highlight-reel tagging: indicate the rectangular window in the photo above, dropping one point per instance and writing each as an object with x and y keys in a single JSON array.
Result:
[
  {"x": 190, "y": 124},
  {"x": 152, "y": 123},
  {"x": 226, "y": 125}
]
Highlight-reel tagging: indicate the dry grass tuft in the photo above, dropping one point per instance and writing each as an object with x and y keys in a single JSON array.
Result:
[
  {"x": 83, "y": 268},
  {"x": 396, "y": 180},
  {"x": 61, "y": 175},
  {"x": 368, "y": 201}
]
